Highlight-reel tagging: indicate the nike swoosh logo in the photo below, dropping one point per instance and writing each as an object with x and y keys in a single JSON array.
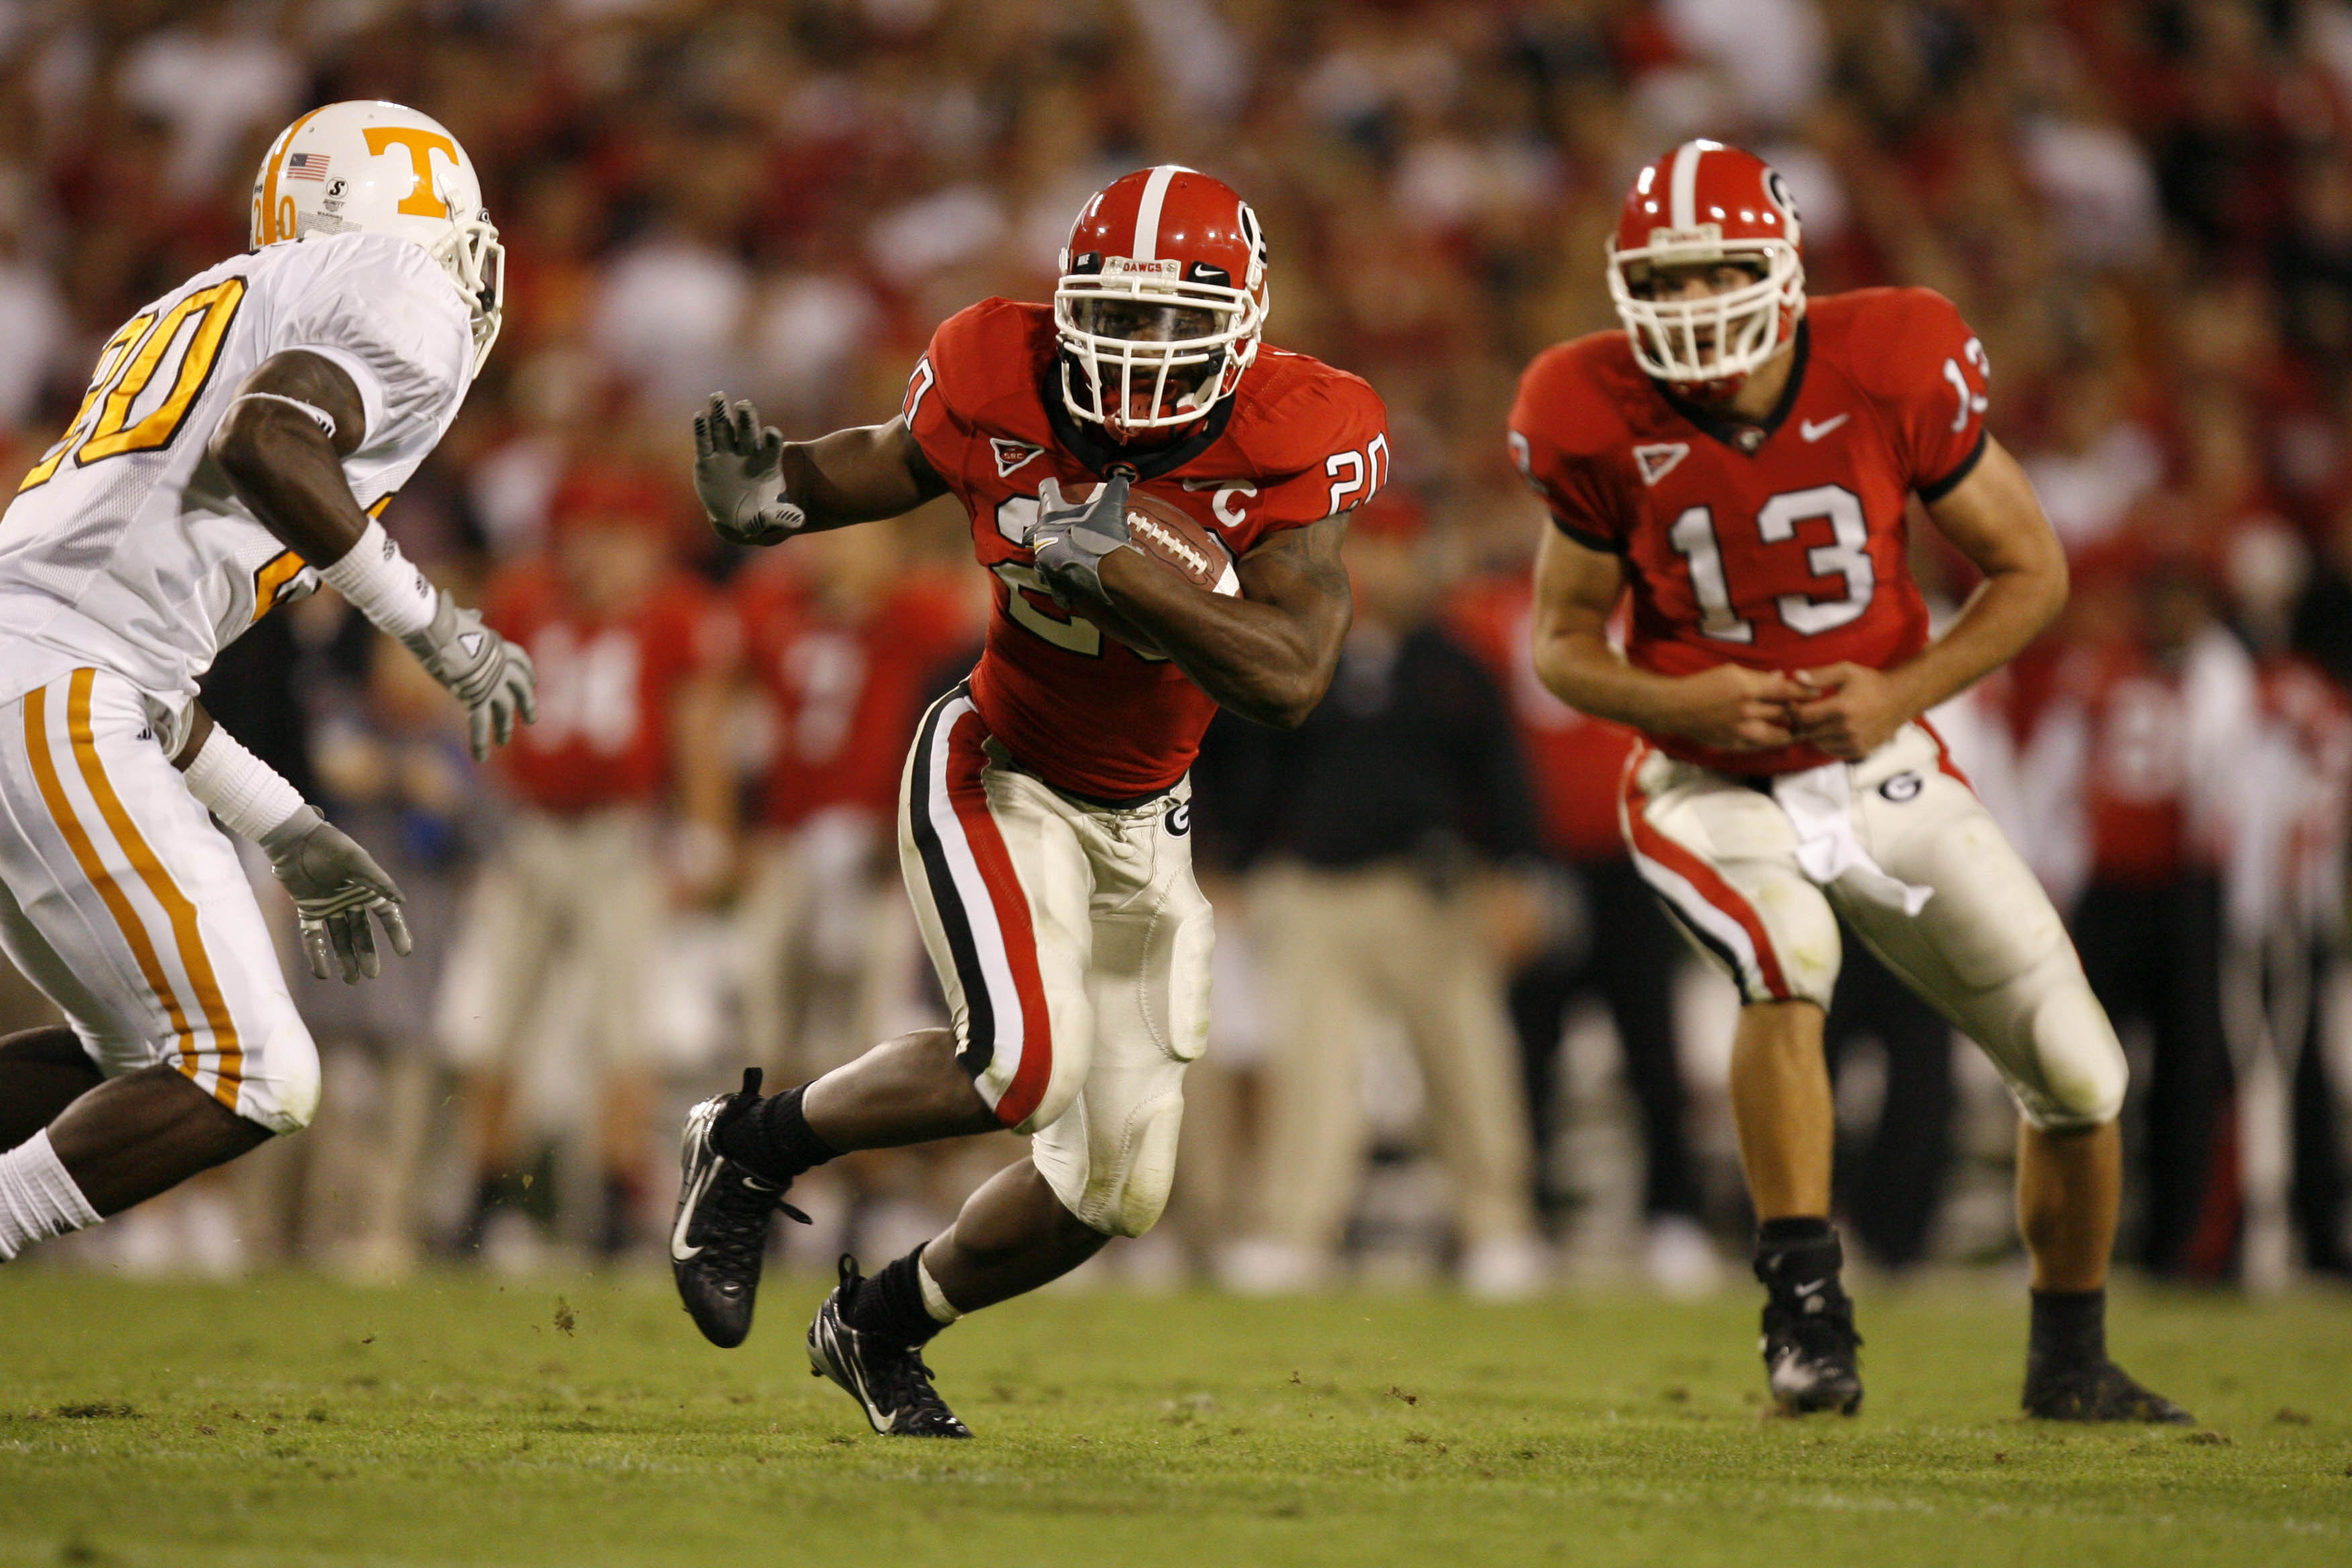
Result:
[
  {"x": 1812, "y": 432},
  {"x": 678, "y": 1250},
  {"x": 1812, "y": 1290},
  {"x": 882, "y": 1420}
]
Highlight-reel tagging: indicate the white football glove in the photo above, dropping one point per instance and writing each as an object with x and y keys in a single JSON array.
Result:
[
  {"x": 492, "y": 677},
  {"x": 1070, "y": 538},
  {"x": 739, "y": 473},
  {"x": 336, "y": 885}
]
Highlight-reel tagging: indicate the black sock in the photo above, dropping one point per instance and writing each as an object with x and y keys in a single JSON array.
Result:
[
  {"x": 1798, "y": 1253},
  {"x": 773, "y": 1141},
  {"x": 2070, "y": 1327},
  {"x": 890, "y": 1305}
]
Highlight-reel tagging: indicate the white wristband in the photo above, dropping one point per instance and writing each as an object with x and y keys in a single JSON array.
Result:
[
  {"x": 382, "y": 584},
  {"x": 240, "y": 788}
]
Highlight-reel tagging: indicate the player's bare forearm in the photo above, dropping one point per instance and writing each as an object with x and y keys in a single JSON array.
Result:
[
  {"x": 1577, "y": 665},
  {"x": 1728, "y": 707},
  {"x": 1269, "y": 654},
  {"x": 284, "y": 465},
  {"x": 858, "y": 474},
  {"x": 200, "y": 730},
  {"x": 1995, "y": 519}
]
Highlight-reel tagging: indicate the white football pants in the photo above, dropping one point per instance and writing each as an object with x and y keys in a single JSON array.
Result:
[
  {"x": 1988, "y": 951},
  {"x": 1074, "y": 948},
  {"x": 128, "y": 908}
]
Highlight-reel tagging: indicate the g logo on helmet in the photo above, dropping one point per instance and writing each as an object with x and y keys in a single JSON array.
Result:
[{"x": 1776, "y": 188}]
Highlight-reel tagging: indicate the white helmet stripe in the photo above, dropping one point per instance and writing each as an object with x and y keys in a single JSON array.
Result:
[
  {"x": 1147, "y": 215},
  {"x": 1682, "y": 209}
]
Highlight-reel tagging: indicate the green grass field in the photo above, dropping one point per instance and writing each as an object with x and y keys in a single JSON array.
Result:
[{"x": 581, "y": 1423}]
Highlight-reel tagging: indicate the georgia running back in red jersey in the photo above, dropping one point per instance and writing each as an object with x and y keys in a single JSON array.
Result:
[
  {"x": 1295, "y": 442},
  {"x": 1781, "y": 546}
]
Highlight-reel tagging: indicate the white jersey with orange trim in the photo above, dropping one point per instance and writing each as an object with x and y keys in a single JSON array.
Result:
[{"x": 125, "y": 550}]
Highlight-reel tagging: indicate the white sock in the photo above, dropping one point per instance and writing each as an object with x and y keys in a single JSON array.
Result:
[
  {"x": 38, "y": 1198},
  {"x": 935, "y": 1301}
]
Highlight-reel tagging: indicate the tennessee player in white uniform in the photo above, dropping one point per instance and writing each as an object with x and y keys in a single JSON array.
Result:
[{"x": 237, "y": 440}]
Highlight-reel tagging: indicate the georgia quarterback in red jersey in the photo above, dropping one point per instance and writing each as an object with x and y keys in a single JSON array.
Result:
[
  {"x": 1738, "y": 463},
  {"x": 1045, "y": 811}
]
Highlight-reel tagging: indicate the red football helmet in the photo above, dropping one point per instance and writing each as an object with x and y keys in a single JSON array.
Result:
[
  {"x": 1704, "y": 203},
  {"x": 1161, "y": 299}
]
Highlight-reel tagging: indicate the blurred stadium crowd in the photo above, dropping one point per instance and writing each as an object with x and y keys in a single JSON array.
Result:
[{"x": 2145, "y": 208}]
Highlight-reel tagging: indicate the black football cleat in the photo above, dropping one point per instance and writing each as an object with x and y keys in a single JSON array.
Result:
[
  {"x": 1810, "y": 1352},
  {"x": 2095, "y": 1391},
  {"x": 889, "y": 1381},
  {"x": 721, "y": 1237}
]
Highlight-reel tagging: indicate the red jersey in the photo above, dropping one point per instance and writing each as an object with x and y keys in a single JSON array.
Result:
[
  {"x": 605, "y": 687},
  {"x": 1778, "y": 546},
  {"x": 847, "y": 686},
  {"x": 1295, "y": 442},
  {"x": 1577, "y": 760}
]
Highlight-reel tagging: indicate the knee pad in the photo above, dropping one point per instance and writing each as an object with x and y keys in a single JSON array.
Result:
[
  {"x": 1115, "y": 1180},
  {"x": 2079, "y": 1073},
  {"x": 281, "y": 1079},
  {"x": 1146, "y": 1171}
]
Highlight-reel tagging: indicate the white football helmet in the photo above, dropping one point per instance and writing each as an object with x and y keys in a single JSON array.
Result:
[{"x": 378, "y": 168}]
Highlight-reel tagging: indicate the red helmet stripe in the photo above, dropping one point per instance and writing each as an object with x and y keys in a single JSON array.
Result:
[
  {"x": 1147, "y": 214},
  {"x": 1682, "y": 208}
]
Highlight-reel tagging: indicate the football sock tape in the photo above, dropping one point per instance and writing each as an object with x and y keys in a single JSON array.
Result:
[
  {"x": 38, "y": 1196},
  {"x": 935, "y": 1301}
]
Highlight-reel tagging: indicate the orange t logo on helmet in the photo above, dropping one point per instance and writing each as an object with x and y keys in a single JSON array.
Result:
[{"x": 421, "y": 144}]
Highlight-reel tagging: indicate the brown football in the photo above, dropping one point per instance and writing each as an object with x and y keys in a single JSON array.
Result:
[
  {"x": 1172, "y": 536},
  {"x": 1165, "y": 532}
]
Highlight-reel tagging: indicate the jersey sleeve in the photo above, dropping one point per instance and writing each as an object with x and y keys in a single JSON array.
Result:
[
  {"x": 1549, "y": 439},
  {"x": 943, "y": 394},
  {"x": 1929, "y": 375},
  {"x": 386, "y": 313},
  {"x": 1333, "y": 456}
]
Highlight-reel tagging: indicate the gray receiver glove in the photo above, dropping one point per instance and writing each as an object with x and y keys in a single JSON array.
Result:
[
  {"x": 492, "y": 677},
  {"x": 336, "y": 885},
  {"x": 739, "y": 473},
  {"x": 1070, "y": 538}
]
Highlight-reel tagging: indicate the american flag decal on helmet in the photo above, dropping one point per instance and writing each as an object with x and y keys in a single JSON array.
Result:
[{"x": 306, "y": 165}]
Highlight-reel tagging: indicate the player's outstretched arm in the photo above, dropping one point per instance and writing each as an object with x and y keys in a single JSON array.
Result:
[
  {"x": 1730, "y": 707},
  {"x": 281, "y": 443},
  {"x": 1268, "y": 654},
  {"x": 760, "y": 489},
  {"x": 1994, "y": 518},
  {"x": 335, "y": 884}
]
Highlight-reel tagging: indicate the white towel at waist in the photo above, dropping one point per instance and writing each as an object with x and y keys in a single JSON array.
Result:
[{"x": 1820, "y": 803}]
